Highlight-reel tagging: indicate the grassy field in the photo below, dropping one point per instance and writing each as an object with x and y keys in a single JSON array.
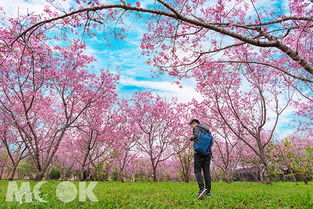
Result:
[{"x": 175, "y": 195}]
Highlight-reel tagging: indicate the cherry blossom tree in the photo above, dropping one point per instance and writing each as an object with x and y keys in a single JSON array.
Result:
[
  {"x": 15, "y": 149},
  {"x": 94, "y": 138},
  {"x": 278, "y": 36},
  {"x": 159, "y": 127},
  {"x": 227, "y": 150},
  {"x": 45, "y": 90},
  {"x": 126, "y": 136},
  {"x": 185, "y": 159},
  {"x": 249, "y": 106}
]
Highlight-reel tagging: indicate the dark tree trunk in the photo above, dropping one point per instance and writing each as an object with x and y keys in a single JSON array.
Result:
[
  {"x": 13, "y": 173},
  {"x": 39, "y": 176},
  {"x": 155, "y": 174}
]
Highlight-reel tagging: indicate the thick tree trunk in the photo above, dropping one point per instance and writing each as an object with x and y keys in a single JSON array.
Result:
[
  {"x": 81, "y": 175},
  {"x": 305, "y": 180},
  {"x": 228, "y": 177},
  {"x": 13, "y": 172},
  {"x": 154, "y": 169},
  {"x": 39, "y": 176},
  {"x": 265, "y": 175},
  {"x": 293, "y": 176},
  {"x": 186, "y": 178}
]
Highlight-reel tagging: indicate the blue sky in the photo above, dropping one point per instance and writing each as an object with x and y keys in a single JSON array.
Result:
[{"x": 124, "y": 55}]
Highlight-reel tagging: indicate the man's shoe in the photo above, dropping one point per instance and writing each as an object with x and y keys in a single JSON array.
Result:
[
  {"x": 202, "y": 193},
  {"x": 208, "y": 195}
]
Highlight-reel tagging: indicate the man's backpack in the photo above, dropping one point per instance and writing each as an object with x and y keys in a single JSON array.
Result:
[{"x": 204, "y": 143}]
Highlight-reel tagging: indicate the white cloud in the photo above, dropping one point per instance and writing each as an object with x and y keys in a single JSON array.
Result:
[
  {"x": 13, "y": 8},
  {"x": 21, "y": 7},
  {"x": 165, "y": 88},
  {"x": 146, "y": 3}
]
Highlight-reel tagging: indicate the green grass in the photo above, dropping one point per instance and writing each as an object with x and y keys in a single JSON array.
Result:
[{"x": 176, "y": 195}]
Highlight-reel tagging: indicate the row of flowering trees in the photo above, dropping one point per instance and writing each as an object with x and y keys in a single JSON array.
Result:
[
  {"x": 123, "y": 150},
  {"x": 60, "y": 120}
]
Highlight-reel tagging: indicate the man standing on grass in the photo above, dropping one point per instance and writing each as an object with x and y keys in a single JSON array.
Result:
[{"x": 201, "y": 162}]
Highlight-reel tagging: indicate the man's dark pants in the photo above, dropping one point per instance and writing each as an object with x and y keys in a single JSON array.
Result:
[{"x": 202, "y": 163}]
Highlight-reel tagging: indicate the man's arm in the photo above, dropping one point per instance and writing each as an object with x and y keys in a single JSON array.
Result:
[{"x": 196, "y": 132}]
